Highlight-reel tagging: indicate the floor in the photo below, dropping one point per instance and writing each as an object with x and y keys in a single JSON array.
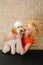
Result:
[{"x": 33, "y": 57}]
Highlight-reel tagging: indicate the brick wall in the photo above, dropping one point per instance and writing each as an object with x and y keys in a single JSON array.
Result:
[{"x": 22, "y": 10}]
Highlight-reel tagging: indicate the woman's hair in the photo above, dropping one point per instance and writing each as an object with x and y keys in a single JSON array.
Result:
[{"x": 35, "y": 29}]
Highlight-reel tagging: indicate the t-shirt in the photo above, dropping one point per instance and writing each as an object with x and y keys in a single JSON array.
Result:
[{"x": 27, "y": 40}]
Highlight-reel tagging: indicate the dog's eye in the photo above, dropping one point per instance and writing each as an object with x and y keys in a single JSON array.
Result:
[
  {"x": 21, "y": 26},
  {"x": 18, "y": 27}
]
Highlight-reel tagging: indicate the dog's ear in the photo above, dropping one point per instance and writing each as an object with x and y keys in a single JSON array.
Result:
[{"x": 13, "y": 30}]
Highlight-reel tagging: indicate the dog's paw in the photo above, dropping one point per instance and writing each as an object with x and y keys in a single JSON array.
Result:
[
  {"x": 4, "y": 51},
  {"x": 13, "y": 52}
]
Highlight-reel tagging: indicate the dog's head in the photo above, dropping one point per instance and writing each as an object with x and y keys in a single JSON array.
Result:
[{"x": 18, "y": 27}]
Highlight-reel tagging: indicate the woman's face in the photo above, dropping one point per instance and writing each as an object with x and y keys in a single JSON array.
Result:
[{"x": 28, "y": 29}]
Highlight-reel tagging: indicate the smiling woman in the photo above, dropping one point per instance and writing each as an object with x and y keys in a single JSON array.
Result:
[{"x": 27, "y": 40}]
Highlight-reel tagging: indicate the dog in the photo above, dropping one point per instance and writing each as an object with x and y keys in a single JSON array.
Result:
[
  {"x": 18, "y": 28},
  {"x": 12, "y": 43}
]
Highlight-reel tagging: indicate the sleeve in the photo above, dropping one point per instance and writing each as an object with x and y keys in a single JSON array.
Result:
[{"x": 29, "y": 40}]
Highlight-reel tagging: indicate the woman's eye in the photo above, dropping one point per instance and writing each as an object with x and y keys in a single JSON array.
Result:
[{"x": 24, "y": 30}]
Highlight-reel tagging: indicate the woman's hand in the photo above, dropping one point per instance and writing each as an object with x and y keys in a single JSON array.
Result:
[{"x": 18, "y": 36}]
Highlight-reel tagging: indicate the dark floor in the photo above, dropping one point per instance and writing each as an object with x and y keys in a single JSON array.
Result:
[{"x": 30, "y": 58}]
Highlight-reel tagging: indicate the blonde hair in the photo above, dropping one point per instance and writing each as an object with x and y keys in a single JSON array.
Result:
[{"x": 35, "y": 29}]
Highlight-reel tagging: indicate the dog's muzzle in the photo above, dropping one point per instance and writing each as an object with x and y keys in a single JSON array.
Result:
[{"x": 21, "y": 30}]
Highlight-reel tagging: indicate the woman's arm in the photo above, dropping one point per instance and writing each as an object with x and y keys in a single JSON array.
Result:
[{"x": 22, "y": 49}]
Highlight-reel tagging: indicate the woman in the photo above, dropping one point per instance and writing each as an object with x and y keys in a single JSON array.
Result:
[{"x": 28, "y": 39}]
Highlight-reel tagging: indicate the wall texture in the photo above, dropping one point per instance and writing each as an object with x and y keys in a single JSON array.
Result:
[{"x": 22, "y": 10}]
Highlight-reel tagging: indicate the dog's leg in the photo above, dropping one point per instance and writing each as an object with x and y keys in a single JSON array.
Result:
[
  {"x": 12, "y": 44},
  {"x": 17, "y": 47},
  {"x": 6, "y": 48}
]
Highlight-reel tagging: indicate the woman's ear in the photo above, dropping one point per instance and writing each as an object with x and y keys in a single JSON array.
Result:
[{"x": 13, "y": 30}]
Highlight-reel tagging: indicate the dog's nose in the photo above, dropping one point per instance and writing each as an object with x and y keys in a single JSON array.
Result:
[{"x": 21, "y": 30}]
